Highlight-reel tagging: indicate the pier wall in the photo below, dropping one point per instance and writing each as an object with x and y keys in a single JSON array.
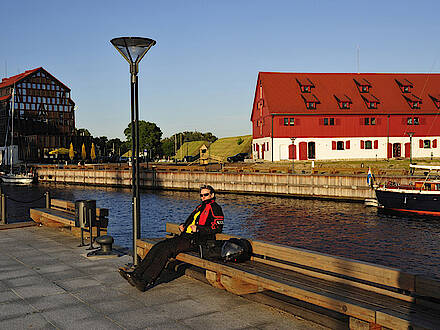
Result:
[{"x": 331, "y": 186}]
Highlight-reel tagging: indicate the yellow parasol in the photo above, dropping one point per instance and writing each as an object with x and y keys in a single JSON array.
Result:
[
  {"x": 71, "y": 151},
  {"x": 83, "y": 152},
  {"x": 59, "y": 151},
  {"x": 92, "y": 152}
]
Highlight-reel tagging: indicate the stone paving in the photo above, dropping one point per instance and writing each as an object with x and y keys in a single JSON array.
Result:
[{"x": 46, "y": 282}]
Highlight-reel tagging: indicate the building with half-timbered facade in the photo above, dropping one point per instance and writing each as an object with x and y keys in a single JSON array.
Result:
[
  {"x": 323, "y": 116},
  {"x": 44, "y": 116}
]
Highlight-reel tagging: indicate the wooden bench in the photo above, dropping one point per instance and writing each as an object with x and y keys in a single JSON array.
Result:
[
  {"x": 370, "y": 295},
  {"x": 61, "y": 214}
]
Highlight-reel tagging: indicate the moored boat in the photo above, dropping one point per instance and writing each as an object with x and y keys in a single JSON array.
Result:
[
  {"x": 24, "y": 178},
  {"x": 420, "y": 196}
]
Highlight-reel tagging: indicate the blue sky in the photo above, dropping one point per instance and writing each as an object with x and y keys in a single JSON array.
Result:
[{"x": 202, "y": 72}]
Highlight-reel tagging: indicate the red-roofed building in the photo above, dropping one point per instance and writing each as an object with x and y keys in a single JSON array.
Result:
[
  {"x": 345, "y": 116},
  {"x": 43, "y": 113}
]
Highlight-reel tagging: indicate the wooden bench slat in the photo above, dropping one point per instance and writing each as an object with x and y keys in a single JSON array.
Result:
[{"x": 69, "y": 207}]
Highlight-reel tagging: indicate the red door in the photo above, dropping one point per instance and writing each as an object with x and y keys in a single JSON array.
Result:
[
  {"x": 390, "y": 151},
  {"x": 407, "y": 150},
  {"x": 292, "y": 151},
  {"x": 303, "y": 151}
]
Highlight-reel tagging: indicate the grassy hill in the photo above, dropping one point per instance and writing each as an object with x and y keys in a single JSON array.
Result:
[
  {"x": 191, "y": 148},
  {"x": 225, "y": 147}
]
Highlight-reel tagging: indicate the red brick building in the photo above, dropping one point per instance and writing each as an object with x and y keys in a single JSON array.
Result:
[
  {"x": 346, "y": 116},
  {"x": 44, "y": 116}
]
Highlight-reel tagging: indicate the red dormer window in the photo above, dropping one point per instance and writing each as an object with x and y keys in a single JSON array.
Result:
[
  {"x": 405, "y": 85},
  {"x": 344, "y": 101},
  {"x": 305, "y": 85},
  {"x": 363, "y": 85},
  {"x": 413, "y": 101},
  {"x": 436, "y": 99},
  {"x": 310, "y": 100},
  {"x": 371, "y": 101}
]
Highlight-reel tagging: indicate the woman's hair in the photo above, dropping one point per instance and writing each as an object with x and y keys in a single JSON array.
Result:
[{"x": 206, "y": 186}]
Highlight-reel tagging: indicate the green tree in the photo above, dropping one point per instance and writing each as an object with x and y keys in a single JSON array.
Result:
[
  {"x": 149, "y": 137},
  {"x": 176, "y": 140}
]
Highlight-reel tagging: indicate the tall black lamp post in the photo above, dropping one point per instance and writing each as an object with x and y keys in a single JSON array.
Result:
[{"x": 133, "y": 50}]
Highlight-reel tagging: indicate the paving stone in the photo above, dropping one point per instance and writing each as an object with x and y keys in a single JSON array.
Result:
[
  {"x": 97, "y": 294},
  {"x": 141, "y": 318},
  {"x": 47, "y": 303},
  {"x": 118, "y": 304},
  {"x": 95, "y": 323},
  {"x": 28, "y": 321},
  {"x": 213, "y": 320},
  {"x": 21, "y": 281},
  {"x": 68, "y": 316},
  {"x": 75, "y": 284},
  {"x": 171, "y": 325},
  {"x": 38, "y": 290},
  {"x": 66, "y": 274},
  {"x": 184, "y": 309},
  {"x": 8, "y": 296},
  {"x": 13, "y": 309}
]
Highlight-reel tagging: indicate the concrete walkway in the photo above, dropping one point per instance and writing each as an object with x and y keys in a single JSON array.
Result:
[{"x": 46, "y": 282}]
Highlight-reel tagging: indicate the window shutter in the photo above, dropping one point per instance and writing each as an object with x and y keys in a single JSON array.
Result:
[
  {"x": 281, "y": 120},
  {"x": 337, "y": 121},
  {"x": 362, "y": 144},
  {"x": 333, "y": 145},
  {"x": 434, "y": 143},
  {"x": 347, "y": 144},
  {"x": 321, "y": 121},
  {"x": 378, "y": 120},
  {"x": 267, "y": 145},
  {"x": 297, "y": 121},
  {"x": 422, "y": 121},
  {"x": 361, "y": 121},
  {"x": 420, "y": 143},
  {"x": 376, "y": 144}
]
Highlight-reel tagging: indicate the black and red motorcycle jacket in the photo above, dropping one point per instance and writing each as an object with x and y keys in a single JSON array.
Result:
[{"x": 209, "y": 220}]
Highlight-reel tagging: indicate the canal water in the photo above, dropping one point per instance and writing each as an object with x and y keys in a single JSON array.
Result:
[{"x": 343, "y": 229}]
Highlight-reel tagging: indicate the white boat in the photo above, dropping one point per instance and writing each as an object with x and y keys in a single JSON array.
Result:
[{"x": 11, "y": 177}]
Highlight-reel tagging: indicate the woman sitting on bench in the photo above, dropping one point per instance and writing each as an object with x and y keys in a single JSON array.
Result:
[{"x": 201, "y": 225}]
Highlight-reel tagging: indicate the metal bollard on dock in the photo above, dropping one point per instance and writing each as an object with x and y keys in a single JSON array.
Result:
[{"x": 3, "y": 209}]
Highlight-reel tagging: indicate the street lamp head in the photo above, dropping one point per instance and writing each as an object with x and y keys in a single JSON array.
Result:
[{"x": 133, "y": 49}]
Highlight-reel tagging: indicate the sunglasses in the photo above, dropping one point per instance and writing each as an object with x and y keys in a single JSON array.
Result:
[{"x": 205, "y": 195}]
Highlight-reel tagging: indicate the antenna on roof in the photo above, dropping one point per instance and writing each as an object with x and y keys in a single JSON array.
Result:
[{"x": 357, "y": 57}]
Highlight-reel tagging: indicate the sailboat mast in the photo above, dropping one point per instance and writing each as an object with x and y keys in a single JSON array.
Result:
[{"x": 12, "y": 125}]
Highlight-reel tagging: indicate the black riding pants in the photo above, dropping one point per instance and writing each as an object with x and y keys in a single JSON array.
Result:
[{"x": 150, "y": 267}]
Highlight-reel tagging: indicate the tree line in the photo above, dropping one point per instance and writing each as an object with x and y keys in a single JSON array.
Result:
[{"x": 150, "y": 141}]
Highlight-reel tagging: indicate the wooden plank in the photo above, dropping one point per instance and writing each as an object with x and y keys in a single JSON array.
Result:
[
  {"x": 238, "y": 286},
  {"x": 18, "y": 225},
  {"x": 357, "y": 269},
  {"x": 70, "y": 207},
  {"x": 336, "y": 279},
  {"x": 214, "y": 279}
]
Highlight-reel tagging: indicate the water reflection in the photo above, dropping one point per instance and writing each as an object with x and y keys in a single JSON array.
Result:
[{"x": 345, "y": 229}]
